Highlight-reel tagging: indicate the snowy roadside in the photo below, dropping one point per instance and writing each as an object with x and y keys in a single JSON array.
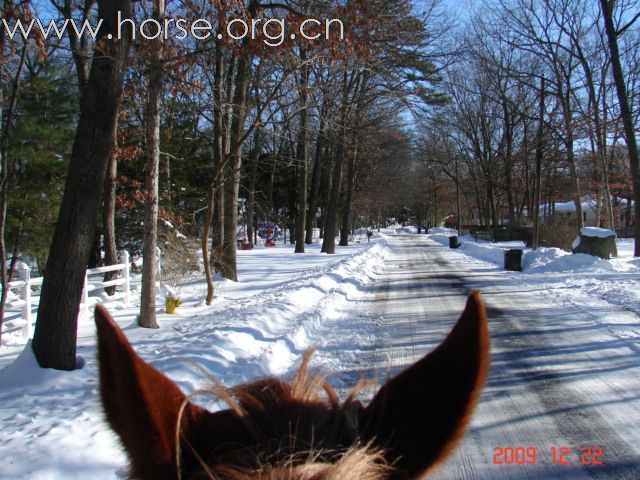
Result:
[
  {"x": 579, "y": 277},
  {"x": 284, "y": 304},
  {"x": 52, "y": 423}
]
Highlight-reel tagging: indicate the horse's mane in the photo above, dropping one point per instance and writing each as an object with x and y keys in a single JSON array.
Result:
[
  {"x": 319, "y": 443},
  {"x": 361, "y": 463}
]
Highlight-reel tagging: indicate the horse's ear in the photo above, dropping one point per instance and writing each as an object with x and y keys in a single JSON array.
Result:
[
  {"x": 418, "y": 416},
  {"x": 141, "y": 404}
]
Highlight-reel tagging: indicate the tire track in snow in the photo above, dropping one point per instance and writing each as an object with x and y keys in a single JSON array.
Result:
[{"x": 534, "y": 395}]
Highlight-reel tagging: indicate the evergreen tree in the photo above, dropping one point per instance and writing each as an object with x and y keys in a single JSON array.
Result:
[{"x": 40, "y": 149}]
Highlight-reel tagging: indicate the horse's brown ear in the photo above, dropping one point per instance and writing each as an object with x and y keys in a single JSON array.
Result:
[
  {"x": 419, "y": 415},
  {"x": 141, "y": 404}
]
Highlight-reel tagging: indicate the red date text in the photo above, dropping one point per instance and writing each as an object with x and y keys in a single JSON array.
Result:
[{"x": 558, "y": 455}]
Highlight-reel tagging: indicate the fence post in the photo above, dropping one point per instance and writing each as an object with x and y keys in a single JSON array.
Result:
[
  {"x": 24, "y": 272},
  {"x": 124, "y": 258}
]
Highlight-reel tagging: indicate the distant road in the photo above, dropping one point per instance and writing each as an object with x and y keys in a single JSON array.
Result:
[{"x": 559, "y": 386}]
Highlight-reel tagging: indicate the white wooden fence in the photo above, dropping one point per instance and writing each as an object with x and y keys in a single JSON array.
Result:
[{"x": 93, "y": 280}]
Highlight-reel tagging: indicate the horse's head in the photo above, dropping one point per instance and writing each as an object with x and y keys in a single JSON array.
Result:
[{"x": 279, "y": 430}]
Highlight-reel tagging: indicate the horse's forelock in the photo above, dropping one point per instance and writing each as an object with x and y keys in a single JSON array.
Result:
[
  {"x": 287, "y": 420},
  {"x": 362, "y": 463}
]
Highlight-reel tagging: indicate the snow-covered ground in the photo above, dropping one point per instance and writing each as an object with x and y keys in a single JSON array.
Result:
[
  {"x": 52, "y": 425},
  {"x": 580, "y": 277}
]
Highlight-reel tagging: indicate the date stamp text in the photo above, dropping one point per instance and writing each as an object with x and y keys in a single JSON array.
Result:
[{"x": 556, "y": 455}]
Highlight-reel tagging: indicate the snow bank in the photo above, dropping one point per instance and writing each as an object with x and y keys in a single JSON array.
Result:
[
  {"x": 547, "y": 260},
  {"x": 486, "y": 251},
  {"x": 543, "y": 260},
  {"x": 52, "y": 421}
]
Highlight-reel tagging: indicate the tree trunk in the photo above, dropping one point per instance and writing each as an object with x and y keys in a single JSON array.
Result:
[
  {"x": 218, "y": 251},
  {"x": 351, "y": 169},
  {"x": 608, "y": 202},
  {"x": 315, "y": 178},
  {"x": 509, "y": 161},
  {"x": 625, "y": 111},
  {"x": 537, "y": 179},
  {"x": 326, "y": 179},
  {"x": 78, "y": 44},
  {"x": 329, "y": 240},
  {"x": 109, "y": 218},
  {"x": 147, "y": 316},
  {"x": 4, "y": 165},
  {"x": 217, "y": 236},
  {"x": 567, "y": 117},
  {"x": 54, "y": 340},
  {"x": 492, "y": 204},
  {"x": 4, "y": 170},
  {"x": 232, "y": 183},
  {"x": 206, "y": 229},
  {"x": 600, "y": 138},
  {"x": 16, "y": 247},
  {"x": 218, "y": 152},
  {"x": 351, "y": 182},
  {"x": 302, "y": 155},
  {"x": 253, "y": 178}
]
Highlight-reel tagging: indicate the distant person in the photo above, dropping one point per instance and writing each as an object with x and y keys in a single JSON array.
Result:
[
  {"x": 270, "y": 242},
  {"x": 246, "y": 244}
]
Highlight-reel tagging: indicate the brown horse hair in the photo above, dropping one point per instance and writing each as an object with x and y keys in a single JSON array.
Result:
[
  {"x": 297, "y": 430},
  {"x": 304, "y": 387},
  {"x": 361, "y": 463}
]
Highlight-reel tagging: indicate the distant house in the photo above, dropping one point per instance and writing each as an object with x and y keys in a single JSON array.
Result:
[{"x": 566, "y": 211}]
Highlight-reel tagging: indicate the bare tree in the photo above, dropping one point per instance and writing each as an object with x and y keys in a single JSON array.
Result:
[
  {"x": 147, "y": 316},
  {"x": 302, "y": 153},
  {"x": 329, "y": 240},
  {"x": 109, "y": 216},
  {"x": 613, "y": 34},
  {"x": 533, "y": 28}
]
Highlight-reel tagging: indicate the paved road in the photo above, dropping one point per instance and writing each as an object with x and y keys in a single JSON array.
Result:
[{"x": 548, "y": 386}]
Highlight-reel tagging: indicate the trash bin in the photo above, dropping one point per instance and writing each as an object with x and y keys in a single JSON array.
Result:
[
  {"x": 513, "y": 260},
  {"x": 454, "y": 241}
]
